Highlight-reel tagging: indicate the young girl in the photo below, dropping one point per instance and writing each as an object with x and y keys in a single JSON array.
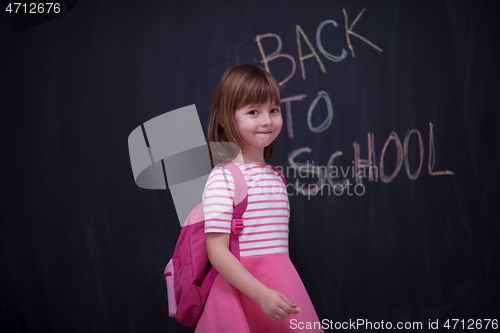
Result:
[{"x": 262, "y": 292}]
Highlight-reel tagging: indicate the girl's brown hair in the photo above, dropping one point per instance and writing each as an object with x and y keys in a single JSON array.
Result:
[{"x": 239, "y": 86}]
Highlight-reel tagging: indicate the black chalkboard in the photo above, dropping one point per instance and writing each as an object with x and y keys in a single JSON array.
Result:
[{"x": 399, "y": 98}]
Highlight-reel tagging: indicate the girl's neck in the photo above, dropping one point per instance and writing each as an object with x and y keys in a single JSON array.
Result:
[{"x": 254, "y": 156}]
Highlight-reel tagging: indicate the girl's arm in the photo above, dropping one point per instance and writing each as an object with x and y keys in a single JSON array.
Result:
[{"x": 274, "y": 304}]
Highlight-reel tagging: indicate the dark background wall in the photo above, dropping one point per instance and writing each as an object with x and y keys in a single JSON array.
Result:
[{"x": 83, "y": 248}]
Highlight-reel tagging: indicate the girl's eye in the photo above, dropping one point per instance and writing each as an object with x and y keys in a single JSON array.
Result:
[
  {"x": 253, "y": 112},
  {"x": 275, "y": 110}
]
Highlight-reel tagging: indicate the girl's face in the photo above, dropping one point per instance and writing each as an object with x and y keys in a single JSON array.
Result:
[{"x": 258, "y": 125}]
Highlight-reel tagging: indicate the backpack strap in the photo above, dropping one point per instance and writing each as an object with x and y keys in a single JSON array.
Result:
[
  {"x": 278, "y": 171},
  {"x": 240, "y": 202}
]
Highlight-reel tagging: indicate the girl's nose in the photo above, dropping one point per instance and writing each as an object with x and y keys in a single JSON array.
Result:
[{"x": 266, "y": 119}]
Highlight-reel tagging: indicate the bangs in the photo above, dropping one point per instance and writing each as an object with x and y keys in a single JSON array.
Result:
[{"x": 256, "y": 88}]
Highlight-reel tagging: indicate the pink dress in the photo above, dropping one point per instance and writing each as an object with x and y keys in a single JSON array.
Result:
[{"x": 263, "y": 251}]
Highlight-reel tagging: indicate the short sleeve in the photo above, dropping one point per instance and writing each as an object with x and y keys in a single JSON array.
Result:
[{"x": 218, "y": 201}]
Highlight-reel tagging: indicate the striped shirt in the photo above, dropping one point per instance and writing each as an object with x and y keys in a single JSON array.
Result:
[{"x": 267, "y": 214}]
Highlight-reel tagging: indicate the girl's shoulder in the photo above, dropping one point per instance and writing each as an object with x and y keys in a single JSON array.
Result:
[{"x": 219, "y": 174}]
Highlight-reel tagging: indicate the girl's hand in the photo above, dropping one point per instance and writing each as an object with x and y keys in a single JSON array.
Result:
[{"x": 276, "y": 305}]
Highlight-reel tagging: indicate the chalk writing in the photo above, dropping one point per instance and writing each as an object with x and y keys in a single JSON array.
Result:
[
  {"x": 399, "y": 158},
  {"x": 308, "y": 169},
  {"x": 327, "y": 174},
  {"x": 288, "y": 107},
  {"x": 405, "y": 153},
  {"x": 327, "y": 122},
  {"x": 432, "y": 155},
  {"x": 366, "y": 163},
  {"x": 348, "y": 31},
  {"x": 276, "y": 54},
  {"x": 328, "y": 55},
  {"x": 266, "y": 59},
  {"x": 402, "y": 153},
  {"x": 362, "y": 168},
  {"x": 331, "y": 166},
  {"x": 300, "y": 32}
]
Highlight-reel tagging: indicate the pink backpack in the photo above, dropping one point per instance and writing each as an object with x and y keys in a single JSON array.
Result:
[{"x": 189, "y": 275}]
